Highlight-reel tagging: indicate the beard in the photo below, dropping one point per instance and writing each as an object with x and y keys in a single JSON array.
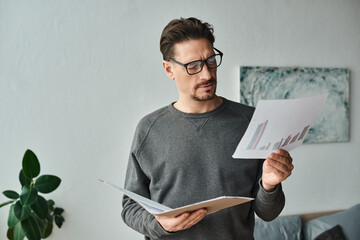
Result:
[{"x": 209, "y": 94}]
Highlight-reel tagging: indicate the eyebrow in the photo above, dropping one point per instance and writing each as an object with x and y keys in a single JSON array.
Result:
[{"x": 200, "y": 59}]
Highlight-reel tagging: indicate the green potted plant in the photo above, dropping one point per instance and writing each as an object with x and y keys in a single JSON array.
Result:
[{"x": 31, "y": 215}]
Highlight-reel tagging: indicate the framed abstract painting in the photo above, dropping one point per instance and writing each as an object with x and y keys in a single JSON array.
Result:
[{"x": 332, "y": 124}]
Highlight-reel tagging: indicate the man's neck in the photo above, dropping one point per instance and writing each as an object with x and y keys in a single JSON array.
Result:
[{"x": 195, "y": 106}]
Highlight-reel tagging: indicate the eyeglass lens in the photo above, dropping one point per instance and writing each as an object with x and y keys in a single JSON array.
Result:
[{"x": 197, "y": 66}]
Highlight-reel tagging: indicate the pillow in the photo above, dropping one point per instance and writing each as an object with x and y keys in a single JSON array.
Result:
[
  {"x": 334, "y": 233},
  {"x": 280, "y": 228},
  {"x": 348, "y": 221}
]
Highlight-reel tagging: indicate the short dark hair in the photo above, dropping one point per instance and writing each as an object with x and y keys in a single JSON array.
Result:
[{"x": 183, "y": 29}]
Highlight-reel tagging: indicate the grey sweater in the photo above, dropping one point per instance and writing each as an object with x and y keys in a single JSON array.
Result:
[{"x": 177, "y": 159}]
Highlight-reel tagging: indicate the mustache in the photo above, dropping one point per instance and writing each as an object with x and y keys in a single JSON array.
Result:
[{"x": 210, "y": 81}]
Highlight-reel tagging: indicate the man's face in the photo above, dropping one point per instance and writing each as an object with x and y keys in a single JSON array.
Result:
[{"x": 198, "y": 87}]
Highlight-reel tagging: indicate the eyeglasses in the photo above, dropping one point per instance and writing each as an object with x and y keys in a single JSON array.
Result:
[{"x": 195, "y": 67}]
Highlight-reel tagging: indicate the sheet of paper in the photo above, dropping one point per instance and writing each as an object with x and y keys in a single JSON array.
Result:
[
  {"x": 150, "y": 205},
  {"x": 212, "y": 205},
  {"x": 278, "y": 124},
  {"x": 155, "y": 208}
]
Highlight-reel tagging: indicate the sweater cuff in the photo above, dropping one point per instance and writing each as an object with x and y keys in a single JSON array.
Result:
[
  {"x": 269, "y": 197},
  {"x": 160, "y": 231}
]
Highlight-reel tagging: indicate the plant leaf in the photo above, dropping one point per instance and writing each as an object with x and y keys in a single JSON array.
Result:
[
  {"x": 10, "y": 234},
  {"x": 12, "y": 219},
  {"x": 50, "y": 202},
  {"x": 58, "y": 211},
  {"x": 23, "y": 179},
  {"x": 41, "y": 223},
  {"x": 31, "y": 228},
  {"x": 47, "y": 183},
  {"x": 59, "y": 221},
  {"x": 19, "y": 232},
  {"x": 48, "y": 228},
  {"x": 20, "y": 211},
  {"x": 28, "y": 195},
  {"x": 11, "y": 194},
  {"x": 40, "y": 207},
  {"x": 6, "y": 203},
  {"x": 30, "y": 164}
]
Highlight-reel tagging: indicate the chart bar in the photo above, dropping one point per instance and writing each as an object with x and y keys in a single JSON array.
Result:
[
  {"x": 287, "y": 141},
  {"x": 257, "y": 135},
  {"x": 294, "y": 138},
  {"x": 304, "y": 132}
]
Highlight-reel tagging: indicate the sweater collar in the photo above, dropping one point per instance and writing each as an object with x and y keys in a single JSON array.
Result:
[{"x": 199, "y": 115}]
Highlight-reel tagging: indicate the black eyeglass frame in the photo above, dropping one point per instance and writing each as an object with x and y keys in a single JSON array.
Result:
[{"x": 202, "y": 62}]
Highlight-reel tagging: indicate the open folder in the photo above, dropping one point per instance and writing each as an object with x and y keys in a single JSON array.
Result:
[{"x": 158, "y": 209}]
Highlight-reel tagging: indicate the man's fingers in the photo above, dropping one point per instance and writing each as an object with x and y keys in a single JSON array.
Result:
[
  {"x": 172, "y": 224},
  {"x": 277, "y": 167},
  {"x": 280, "y": 173},
  {"x": 281, "y": 158},
  {"x": 200, "y": 217},
  {"x": 181, "y": 222},
  {"x": 286, "y": 154},
  {"x": 285, "y": 160},
  {"x": 284, "y": 168},
  {"x": 182, "y": 217},
  {"x": 283, "y": 153},
  {"x": 194, "y": 218}
]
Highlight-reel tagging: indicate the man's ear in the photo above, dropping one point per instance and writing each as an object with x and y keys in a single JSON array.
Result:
[{"x": 168, "y": 67}]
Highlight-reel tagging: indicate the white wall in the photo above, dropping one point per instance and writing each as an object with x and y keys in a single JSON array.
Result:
[{"x": 76, "y": 76}]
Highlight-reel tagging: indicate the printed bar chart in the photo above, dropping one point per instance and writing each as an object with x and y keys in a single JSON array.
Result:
[
  {"x": 289, "y": 140},
  {"x": 278, "y": 124}
]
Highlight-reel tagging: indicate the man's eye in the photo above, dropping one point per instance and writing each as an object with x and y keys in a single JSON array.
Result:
[
  {"x": 193, "y": 65},
  {"x": 211, "y": 60}
]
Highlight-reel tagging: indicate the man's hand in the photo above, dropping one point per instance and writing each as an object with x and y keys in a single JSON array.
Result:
[
  {"x": 181, "y": 222},
  {"x": 277, "y": 167}
]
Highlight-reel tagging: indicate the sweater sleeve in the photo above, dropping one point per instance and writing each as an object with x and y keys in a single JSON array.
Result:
[
  {"x": 133, "y": 214},
  {"x": 268, "y": 205}
]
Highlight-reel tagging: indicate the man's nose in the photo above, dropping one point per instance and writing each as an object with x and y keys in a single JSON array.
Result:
[{"x": 205, "y": 73}]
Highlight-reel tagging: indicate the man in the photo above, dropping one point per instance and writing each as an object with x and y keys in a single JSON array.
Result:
[{"x": 182, "y": 153}]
